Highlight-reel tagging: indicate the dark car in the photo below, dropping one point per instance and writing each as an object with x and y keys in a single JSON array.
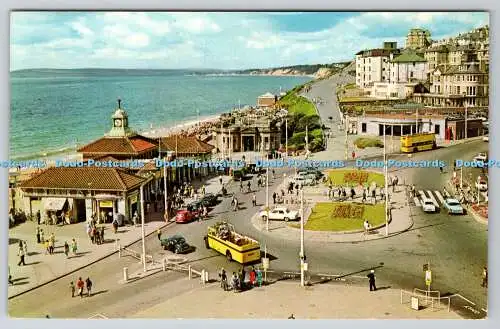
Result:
[
  {"x": 318, "y": 174},
  {"x": 209, "y": 200},
  {"x": 195, "y": 206},
  {"x": 176, "y": 244}
]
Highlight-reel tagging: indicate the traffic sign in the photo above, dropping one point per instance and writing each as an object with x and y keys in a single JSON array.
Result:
[
  {"x": 428, "y": 277},
  {"x": 265, "y": 263},
  {"x": 304, "y": 266}
]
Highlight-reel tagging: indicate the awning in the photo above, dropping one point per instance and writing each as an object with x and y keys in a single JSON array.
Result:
[{"x": 54, "y": 203}]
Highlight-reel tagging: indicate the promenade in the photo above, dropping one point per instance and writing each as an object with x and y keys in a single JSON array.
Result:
[
  {"x": 321, "y": 301},
  {"x": 41, "y": 267}
]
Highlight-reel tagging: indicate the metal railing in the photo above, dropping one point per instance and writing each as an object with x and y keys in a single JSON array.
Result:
[{"x": 426, "y": 295}]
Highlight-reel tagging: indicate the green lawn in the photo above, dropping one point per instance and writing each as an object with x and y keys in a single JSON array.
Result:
[
  {"x": 321, "y": 218},
  {"x": 337, "y": 177},
  {"x": 364, "y": 142},
  {"x": 297, "y": 104}
]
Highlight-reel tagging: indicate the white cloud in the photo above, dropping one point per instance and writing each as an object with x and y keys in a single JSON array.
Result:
[
  {"x": 195, "y": 23},
  {"x": 80, "y": 27}
]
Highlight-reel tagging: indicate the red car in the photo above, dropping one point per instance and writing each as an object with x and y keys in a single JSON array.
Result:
[{"x": 185, "y": 216}]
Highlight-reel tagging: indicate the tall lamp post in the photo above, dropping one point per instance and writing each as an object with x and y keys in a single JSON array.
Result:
[
  {"x": 302, "y": 255},
  {"x": 386, "y": 189},
  {"x": 286, "y": 137}
]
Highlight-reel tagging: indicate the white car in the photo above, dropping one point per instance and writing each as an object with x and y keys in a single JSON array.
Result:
[
  {"x": 428, "y": 205},
  {"x": 306, "y": 175},
  {"x": 481, "y": 185},
  {"x": 280, "y": 213},
  {"x": 486, "y": 139},
  {"x": 481, "y": 157},
  {"x": 302, "y": 181}
]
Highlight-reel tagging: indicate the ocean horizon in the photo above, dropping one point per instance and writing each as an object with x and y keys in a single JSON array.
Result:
[{"x": 53, "y": 111}]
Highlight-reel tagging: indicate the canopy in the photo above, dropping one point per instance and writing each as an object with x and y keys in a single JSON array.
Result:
[{"x": 54, "y": 203}]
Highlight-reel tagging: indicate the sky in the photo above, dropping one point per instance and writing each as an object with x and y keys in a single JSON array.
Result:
[{"x": 231, "y": 40}]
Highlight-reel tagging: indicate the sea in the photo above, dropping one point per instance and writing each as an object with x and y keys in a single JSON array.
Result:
[{"x": 55, "y": 111}]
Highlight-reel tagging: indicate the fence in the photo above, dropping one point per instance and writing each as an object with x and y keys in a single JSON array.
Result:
[{"x": 427, "y": 297}]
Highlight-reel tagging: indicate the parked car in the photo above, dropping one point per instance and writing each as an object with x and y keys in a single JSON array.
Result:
[
  {"x": 302, "y": 181},
  {"x": 481, "y": 185},
  {"x": 176, "y": 244},
  {"x": 481, "y": 157},
  {"x": 280, "y": 213},
  {"x": 313, "y": 171},
  {"x": 195, "y": 206},
  {"x": 453, "y": 206},
  {"x": 185, "y": 216},
  {"x": 428, "y": 205},
  {"x": 209, "y": 200},
  {"x": 306, "y": 175},
  {"x": 486, "y": 138}
]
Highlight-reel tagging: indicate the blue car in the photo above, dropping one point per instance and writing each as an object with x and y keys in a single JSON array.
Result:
[{"x": 453, "y": 206}]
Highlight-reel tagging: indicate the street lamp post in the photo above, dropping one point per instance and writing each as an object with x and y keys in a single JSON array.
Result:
[
  {"x": 386, "y": 189},
  {"x": 302, "y": 255},
  {"x": 461, "y": 177},
  {"x": 286, "y": 137},
  {"x": 142, "y": 229},
  {"x": 166, "y": 191},
  {"x": 267, "y": 193},
  {"x": 345, "y": 119}
]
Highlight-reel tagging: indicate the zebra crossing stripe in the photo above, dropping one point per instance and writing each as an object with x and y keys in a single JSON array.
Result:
[
  {"x": 432, "y": 198},
  {"x": 440, "y": 197},
  {"x": 417, "y": 202},
  {"x": 422, "y": 194}
]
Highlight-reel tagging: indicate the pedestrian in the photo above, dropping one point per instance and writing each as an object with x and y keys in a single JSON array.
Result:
[
  {"x": 259, "y": 277},
  {"x": 254, "y": 200},
  {"x": 374, "y": 195},
  {"x": 366, "y": 226},
  {"x": 242, "y": 278},
  {"x": 21, "y": 255},
  {"x": 102, "y": 234},
  {"x": 220, "y": 179},
  {"x": 115, "y": 225},
  {"x": 74, "y": 246},
  {"x": 46, "y": 246},
  {"x": 249, "y": 187},
  {"x": 353, "y": 193},
  {"x": 274, "y": 197},
  {"x": 88, "y": 283},
  {"x": 272, "y": 173},
  {"x": 38, "y": 218},
  {"x": 241, "y": 185},
  {"x": 364, "y": 195},
  {"x": 485, "y": 277},
  {"x": 234, "y": 282},
  {"x": 282, "y": 193},
  {"x": 38, "y": 234},
  {"x": 51, "y": 247},
  {"x": 203, "y": 190},
  {"x": 72, "y": 288},
  {"x": 42, "y": 236},
  {"x": 223, "y": 279},
  {"x": 66, "y": 249},
  {"x": 253, "y": 276},
  {"x": 80, "y": 285},
  {"x": 25, "y": 247},
  {"x": 158, "y": 233},
  {"x": 371, "y": 280},
  {"x": 353, "y": 155}
]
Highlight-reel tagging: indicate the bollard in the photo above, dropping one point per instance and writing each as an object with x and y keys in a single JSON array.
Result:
[
  {"x": 189, "y": 272},
  {"x": 125, "y": 274},
  {"x": 206, "y": 276},
  {"x": 202, "y": 276},
  {"x": 119, "y": 251},
  {"x": 164, "y": 264}
]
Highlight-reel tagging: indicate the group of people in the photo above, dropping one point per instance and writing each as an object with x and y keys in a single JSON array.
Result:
[
  {"x": 78, "y": 289},
  {"x": 238, "y": 281},
  {"x": 95, "y": 233}
]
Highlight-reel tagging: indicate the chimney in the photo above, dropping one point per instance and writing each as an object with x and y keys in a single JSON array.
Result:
[{"x": 119, "y": 103}]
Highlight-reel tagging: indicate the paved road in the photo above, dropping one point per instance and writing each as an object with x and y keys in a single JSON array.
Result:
[{"x": 455, "y": 246}]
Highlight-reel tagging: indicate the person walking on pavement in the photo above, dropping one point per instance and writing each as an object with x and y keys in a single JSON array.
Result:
[
  {"x": 274, "y": 197},
  {"x": 38, "y": 218},
  {"x": 88, "y": 284},
  {"x": 371, "y": 280},
  {"x": 80, "y": 285},
  {"x": 364, "y": 196},
  {"x": 223, "y": 279},
  {"x": 259, "y": 277},
  {"x": 25, "y": 247},
  {"x": 249, "y": 187},
  {"x": 74, "y": 246},
  {"x": 158, "y": 233},
  {"x": 485, "y": 277},
  {"x": 38, "y": 234},
  {"x": 253, "y": 277},
  {"x": 241, "y": 184},
  {"x": 72, "y": 288},
  {"x": 66, "y": 249},
  {"x": 254, "y": 200},
  {"x": 21, "y": 256}
]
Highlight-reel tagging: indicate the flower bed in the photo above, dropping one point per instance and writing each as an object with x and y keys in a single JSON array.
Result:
[
  {"x": 348, "y": 211},
  {"x": 481, "y": 210},
  {"x": 355, "y": 177}
]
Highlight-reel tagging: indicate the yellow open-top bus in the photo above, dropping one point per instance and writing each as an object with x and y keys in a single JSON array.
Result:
[
  {"x": 222, "y": 238},
  {"x": 418, "y": 142}
]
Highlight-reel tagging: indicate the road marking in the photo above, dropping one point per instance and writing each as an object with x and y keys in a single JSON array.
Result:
[
  {"x": 470, "y": 308},
  {"x": 98, "y": 316},
  {"x": 440, "y": 197},
  {"x": 433, "y": 199},
  {"x": 485, "y": 311},
  {"x": 458, "y": 295},
  {"x": 417, "y": 202}
]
